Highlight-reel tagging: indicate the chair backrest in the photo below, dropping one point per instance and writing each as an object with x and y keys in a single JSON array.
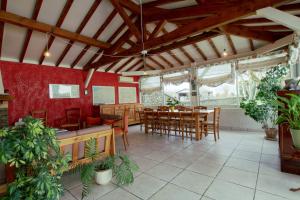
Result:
[
  {"x": 180, "y": 108},
  {"x": 188, "y": 109},
  {"x": 141, "y": 115},
  {"x": 73, "y": 115},
  {"x": 187, "y": 116},
  {"x": 163, "y": 108},
  {"x": 200, "y": 108},
  {"x": 40, "y": 114},
  {"x": 148, "y": 109},
  {"x": 217, "y": 111},
  {"x": 125, "y": 120}
]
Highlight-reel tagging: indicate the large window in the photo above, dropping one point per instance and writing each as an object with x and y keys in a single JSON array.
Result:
[
  {"x": 151, "y": 94},
  {"x": 177, "y": 85}
]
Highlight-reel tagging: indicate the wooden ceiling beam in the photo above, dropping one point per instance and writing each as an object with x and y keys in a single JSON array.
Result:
[
  {"x": 243, "y": 31},
  {"x": 214, "y": 48},
  {"x": 224, "y": 16},
  {"x": 133, "y": 65},
  {"x": 269, "y": 28},
  {"x": 199, "y": 50},
  {"x": 159, "y": 3},
  {"x": 96, "y": 35},
  {"x": 131, "y": 6},
  {"x": 159, "y": 27},
  {"x": 46, "y": 28},
  {"x": 231, "y": 44},
  {"x": 37, "y": 7},
  {"x": 135, "y": 31},
  {"x": 165, "y": 60},
  {"x": 79, "y": 29},
  {"x": 156, "y": 62},
  {"x": 191, "y": 59},
  {"x": 59, "y": 22},
  {"x": 125, "y": 64},
  {"x": 3, "y": 7}
]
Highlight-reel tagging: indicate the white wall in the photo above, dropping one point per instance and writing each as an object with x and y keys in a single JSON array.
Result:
[{"x": 235, "y": 119}]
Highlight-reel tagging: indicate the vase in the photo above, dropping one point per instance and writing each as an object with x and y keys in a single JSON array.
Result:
[
  {"x": 295, "y": 137},
  {"x": 271, "y": 134},
  {"x": 103, "y": 177},
  {"x": 172, "y": 108}
]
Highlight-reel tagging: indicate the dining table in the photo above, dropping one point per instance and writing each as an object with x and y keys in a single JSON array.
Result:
[{"x": 199, "y": 114}]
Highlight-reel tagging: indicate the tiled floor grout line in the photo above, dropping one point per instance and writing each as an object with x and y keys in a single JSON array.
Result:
[
  {"x": 261, "y": 152},
  {"x": 215, "y": 177}
]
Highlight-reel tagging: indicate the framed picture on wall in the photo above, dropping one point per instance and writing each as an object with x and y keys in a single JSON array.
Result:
[
  {"x": 62, "y": 91},
  {"x": 127, "y": 95},
  {"x": 103, "y": 95}
]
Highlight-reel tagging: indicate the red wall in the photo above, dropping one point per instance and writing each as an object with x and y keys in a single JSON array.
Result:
[{"x": 29, "y": 85}]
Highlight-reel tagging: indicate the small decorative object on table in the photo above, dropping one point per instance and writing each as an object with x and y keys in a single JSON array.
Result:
[{"x": 172, "y": 102}]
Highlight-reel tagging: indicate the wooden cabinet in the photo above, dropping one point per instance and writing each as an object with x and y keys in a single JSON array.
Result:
[
  {"x": 289, "y": 157},
  {"x": 118, "y": 109}
]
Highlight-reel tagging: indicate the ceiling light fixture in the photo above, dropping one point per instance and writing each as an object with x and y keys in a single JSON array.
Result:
[
  {"x": 47, "y": 52},
  {"x": 225, "y": 53}
]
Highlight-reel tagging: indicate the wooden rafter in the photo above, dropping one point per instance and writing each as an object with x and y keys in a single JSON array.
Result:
[
  {"x": 34, "y": 16},
  {"x": 157, "y": 29},
  {"x": 156, "y": 62},
  {"x": 111, "y": 66},
  {"x": 133, "y": 65},
  {"x": 224, "y": 16},
  {"x": 251, "y": 44},
  {"x": 231, "y": 44},
  {"x": 175, "y": 57},
  {"x": 191, "y": 59},
  {"x": 214, "y": 48},
  {"x": 3, "y": 7},
  {"x": 96, "y": 35},
  {"x": 135, "y": 31},
  {"x": 165, "y": 60},
  {"x": 131, "y": 6},
  {"x": 138, "y": 69},
  {"x": 46, "y": 28},
  {"x": 59, "y": 22},
  {"x": 159, "y": 3},
  {"x": 199, "y": 50},
  {"x": 243, "y": 31},
  {"x": 125, "y": 64},
  {"x": 269, "y": 28},
  {"x": 150, "y": 66},
  {"x": 79, "y": 29}
]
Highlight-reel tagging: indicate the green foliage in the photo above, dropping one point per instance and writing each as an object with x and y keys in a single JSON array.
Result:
[
  {"x": 289, "y": 110},
  {"x": 38, "y": 172},
  {"x": 173, "y": 101},
  {"x": 261, "y": 108},
  {"x": 123, "y": 168}
]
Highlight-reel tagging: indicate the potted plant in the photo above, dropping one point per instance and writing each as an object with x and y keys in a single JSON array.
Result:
[
  {"x": 172, "y": 102},
  {"x": 289, "y": 111},
  {"x": 38, "y": 173},
  {"x": 118, "y": 166},
  {"x": 260, "y": 108}
]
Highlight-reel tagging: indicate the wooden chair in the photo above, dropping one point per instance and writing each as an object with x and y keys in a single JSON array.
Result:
[
  {"x": 142, "y": 118},
  {"x": 214, "y": 125},
  {"x": 180, "y": 108},
  {"x": 200, "y": 107},
  {"x": 73, "y": 119},
  {"x": 148, "y": 109},
  {"x": 163, "y": 122},
  {"x": 188, "y": 109},
  {"x": 163, "y": 108},
  {"x": 174, "y": 123},
  {"x": 187, "y": 124},
  {"x": 123, "y": 130},
  {"x": 40, "y": 114}
]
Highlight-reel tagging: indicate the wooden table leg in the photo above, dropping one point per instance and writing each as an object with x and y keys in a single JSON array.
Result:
[
  {"x": 197, "y": 129},
  {"x": 146, "y": 123}
]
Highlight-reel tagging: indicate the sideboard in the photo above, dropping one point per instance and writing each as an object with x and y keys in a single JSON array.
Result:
[
  {"x": 118, "y": 109},
  {"x": 289, "y": 156}
]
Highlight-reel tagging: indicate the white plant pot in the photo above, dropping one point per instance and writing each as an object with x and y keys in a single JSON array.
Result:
[{"x": 103, "y": 177}]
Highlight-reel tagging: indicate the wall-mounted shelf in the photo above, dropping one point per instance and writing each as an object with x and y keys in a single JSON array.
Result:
[{"x": 5, "y": 97}]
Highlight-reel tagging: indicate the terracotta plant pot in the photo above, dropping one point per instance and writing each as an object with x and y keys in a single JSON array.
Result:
[
  {"x": 271, "y": 134},
  {"x": 296, "y": 138},
  {"x": 103, "y": 177}
]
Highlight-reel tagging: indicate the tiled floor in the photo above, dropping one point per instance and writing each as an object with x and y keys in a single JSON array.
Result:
[{"x": 240, "y": 166}]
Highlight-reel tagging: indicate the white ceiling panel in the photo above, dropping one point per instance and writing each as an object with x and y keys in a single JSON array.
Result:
[
  {"x": 21, "y": 7},
  {"x": 241, "y": 44},
  {"x": 221, "y": 43},
  {"x": 207, "y": 50},
  {"x": 13, "y": 39},
  {"x": 111, "y": 28},
  {"x": 98, "y": 18},
  {"x": 76, "y": 14},
  {"x": 35, "y": 47},
  {"x": 56, "y": 50},
  {"x": 72, "y": 53},
  {"x": 51, "y": 11},
  {"x": 87, "y": 56}
]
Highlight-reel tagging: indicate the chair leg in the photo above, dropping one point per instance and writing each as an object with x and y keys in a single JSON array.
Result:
[
  {"x": 124, "y": 142},
  {"x": 126, "y": 137},
  {"x": 215, "y": 134}
]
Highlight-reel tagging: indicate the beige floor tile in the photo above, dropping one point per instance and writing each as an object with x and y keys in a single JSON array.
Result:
[
  {"x": 164, "y": 171},
  {"x": 96, "y": 191},
  {"x": 266, "y": 196},
  {"x": 119, "y": 194},
  {"x": 243, "y": 164}
]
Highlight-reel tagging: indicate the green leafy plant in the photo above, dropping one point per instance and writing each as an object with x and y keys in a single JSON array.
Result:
[
  {"x": 289, "y": 109},
  {"x": 173, "y": 101},
  {"x": 122, "y": 167},
  {"x": 260, "y": 108},
  {"x": 33, "y": 151}
]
